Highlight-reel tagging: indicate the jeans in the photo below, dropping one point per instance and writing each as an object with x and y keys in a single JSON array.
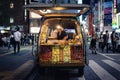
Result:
[
  {"x": 113, "y": 46},
  {"x": 105, "y": 45},
  {"x": 17, "y": 45}
]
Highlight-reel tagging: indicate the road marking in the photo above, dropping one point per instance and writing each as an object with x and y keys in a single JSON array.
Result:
[
  {"x": 80, "y": 78},
  {"x": 105, "y": 55},
  {"x": 100, "y": 72},
  {"x": 113, "y": 64},
  {"x": 13, "y": 51},
  {"x": 20, "y": 72},
  {"x": 116, "y": 54}
]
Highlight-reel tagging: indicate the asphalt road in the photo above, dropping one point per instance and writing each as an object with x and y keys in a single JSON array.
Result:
[
  {"x": 103, "y": 66},
  {"x": 15, "y": 66}
]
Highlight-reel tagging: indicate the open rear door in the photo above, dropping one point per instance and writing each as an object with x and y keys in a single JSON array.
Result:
[
  {"x": 60, "y": 10},
  {"x": 46, "y": 9}
]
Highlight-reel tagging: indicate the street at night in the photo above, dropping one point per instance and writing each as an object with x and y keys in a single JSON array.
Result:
[
  {"x": 102, "y": 66},
  {"x": 59, "y": 39},
  {"x": 15, "y": 65}
]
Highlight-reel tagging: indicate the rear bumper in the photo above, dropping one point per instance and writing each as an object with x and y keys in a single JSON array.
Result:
[{"x": 62, "y": 65}]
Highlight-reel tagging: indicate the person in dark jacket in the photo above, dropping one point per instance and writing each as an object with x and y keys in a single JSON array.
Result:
[
  {"x": 100, "y": 40},
  {"x": 93, "y": 45},
  {"x": 114, "y": 39},
  {"x": 105, "y": 41}
]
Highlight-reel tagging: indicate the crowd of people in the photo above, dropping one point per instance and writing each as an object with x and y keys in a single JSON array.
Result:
[
  {"x": 106, "y": 42},
  {"x": 15, "y": 40}
]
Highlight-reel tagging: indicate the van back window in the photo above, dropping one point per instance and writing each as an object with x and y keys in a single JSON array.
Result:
[
  {"x": 67, "y": 24},
  {"x": 50, "y": 27}
]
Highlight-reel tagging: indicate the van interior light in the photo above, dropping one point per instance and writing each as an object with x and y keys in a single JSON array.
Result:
[
  {"x": 58, "y": 27},
  {"x": 58, "y": 8}
]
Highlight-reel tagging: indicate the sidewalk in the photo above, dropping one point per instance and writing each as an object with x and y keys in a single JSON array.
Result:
[{"x": 5, "y": 49}]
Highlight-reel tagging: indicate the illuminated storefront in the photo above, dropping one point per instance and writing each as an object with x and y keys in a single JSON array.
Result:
[
  {"x": 114, "y": 18},
  {"x": 108, "y": 13},
  {"x": 118, "y": 19},
  {"x": 118, "y": 13}
]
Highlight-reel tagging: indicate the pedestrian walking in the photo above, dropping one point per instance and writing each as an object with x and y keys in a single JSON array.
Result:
[
  {"x": 17, "y": 37},
  {"x": 93, "y": 45},
  {"x": 8, "y": 42},
  {"x": 117, "y": 43},
  {"x": 12, "y": 41},
  {"x": 114, "y": 39},
  {"x": 4, "y": 40},
  {"x": 22, "y": 38},
  {"x": 100, "y": 40},
  {"x": 26, "y": 39},
  {"x": 1, "y": 42},
  {"x": 105, "y": 41}
]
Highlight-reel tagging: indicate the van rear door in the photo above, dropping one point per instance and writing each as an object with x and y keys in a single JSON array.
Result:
[{"x": 53, "y": 10}]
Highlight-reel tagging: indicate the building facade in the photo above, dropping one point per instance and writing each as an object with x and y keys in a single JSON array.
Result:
[
  {"x": 12, "y": 14},
  {"x": 4, "y": 15}
]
